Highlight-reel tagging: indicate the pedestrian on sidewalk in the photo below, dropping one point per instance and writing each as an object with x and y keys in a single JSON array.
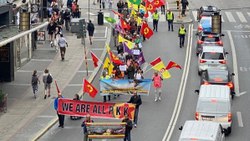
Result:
[
  {"x": 170, "y": 19},
  {"x": 182, "y": 33},
  {"x": 110, "y": 4},
  {"x": 60, "y": 116},
  {"x": 62, "y": 43},
  {"x": 47, "y": 80},
  {"x": 135, "y": 99},
  {"x": 51, "y": 29},
  {"x": 128, "y": 128},
  {"x": 56, "y": 38},
  {"x": 157, "y": 79},
  {"x": 91, "y": 29},
  {"x": 103, "y": 3},
  {"x": 120, "y": 6},
  {"x": 184, "y": 4},
  {"x": 156, "y": 18},
  {"x": 84, "y": 126},
  {"x": 34, "y": 83},
  {"x": 67, "y": 17}
]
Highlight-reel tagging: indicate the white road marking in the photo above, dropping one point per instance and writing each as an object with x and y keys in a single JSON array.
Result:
[
  {"x": 28, "y": 71},
  {"x": 242, "y": 93},
  {"x": 74, "y": 85},
  {"x": 241, "y": 17},
  {"x": 84, "y": 71},
  {"x": 181, "y": 92},
  {"x": 241, "y": 68},
  {"x": 97, "y": 48},
  {"x": 248, "y": 13},
  {"x": 235, "y": 65},
  {"x": 195, "y": 15},
  {"x": 244, "y": 36},
  {"x": 44, "y": 60},
  {"x": 239, "y": 117},
  {"x": 230, "y": 17}
]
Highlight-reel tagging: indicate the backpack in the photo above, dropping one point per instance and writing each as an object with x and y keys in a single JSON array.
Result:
[
  {"x": 34, "y": 80},
  {"x": 49, "y": 79}
]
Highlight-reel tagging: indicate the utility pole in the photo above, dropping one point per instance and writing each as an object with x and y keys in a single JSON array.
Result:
[{"x": 82, "y": 34}]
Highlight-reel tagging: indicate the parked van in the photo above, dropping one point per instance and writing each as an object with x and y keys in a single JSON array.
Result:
[
  {"x": 214, "y": 104},
  {"x": 202, "y": 131}
]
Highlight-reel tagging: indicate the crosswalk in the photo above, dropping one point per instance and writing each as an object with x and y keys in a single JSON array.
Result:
[{"x": 230, "y": 16}]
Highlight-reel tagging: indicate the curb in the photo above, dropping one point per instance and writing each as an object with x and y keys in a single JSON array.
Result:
[{"x": 90, "y": 79}]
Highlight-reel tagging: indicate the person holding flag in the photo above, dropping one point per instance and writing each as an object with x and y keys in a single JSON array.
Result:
[{"x": 157, "y": 79}]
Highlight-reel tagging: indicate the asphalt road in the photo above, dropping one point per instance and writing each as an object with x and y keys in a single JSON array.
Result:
[{"x": 154, "y": 117}]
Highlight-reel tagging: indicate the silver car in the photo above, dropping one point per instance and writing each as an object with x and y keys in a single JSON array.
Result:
[{"x": 212, "y": 57}]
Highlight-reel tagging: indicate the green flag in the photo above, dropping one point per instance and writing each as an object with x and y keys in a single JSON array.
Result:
[
  {"x": 136, "y": 2},
  {"x": 110, "y": 20}
]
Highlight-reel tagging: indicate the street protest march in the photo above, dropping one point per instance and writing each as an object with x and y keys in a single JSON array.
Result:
[
  {"x": 125, "y": 86},
  {"x": 95, "y": 109}
]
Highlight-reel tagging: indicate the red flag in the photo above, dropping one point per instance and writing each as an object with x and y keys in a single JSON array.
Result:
[
  {"x": 146, "y": 31},
  {"x": 88, "y": 88},
  {"x": 156, "y": 61},
  {"x": 150, "y": 6},
  {"x": 95, "y": 59},
  {"x": 115, "y": 59},
  {"x": 124, "y": 24},
  {"x": 57, "y": 89},
  {"x": 158, "y": 3},
  {"x": 117, "y": 13},
  {"x": 172, "y": 64},
  {"x": 146, "y": 14}
]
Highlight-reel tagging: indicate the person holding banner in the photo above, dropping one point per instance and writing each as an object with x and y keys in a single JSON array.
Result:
[
  {"x": 128, "y": 128},
  {"x": 105, "y": 76},
  {"x": 135, "y": 99},
  {"x": 84, "y": 127},
  {"x": 60, "y": 117},
  {"x": 76, "y": 97},
  {"x": 157, "y": 85}
]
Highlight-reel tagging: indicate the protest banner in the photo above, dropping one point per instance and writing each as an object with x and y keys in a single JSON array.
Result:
[
  {"x": 95, "y": 109},
  {"x": 125, "y": 86}
]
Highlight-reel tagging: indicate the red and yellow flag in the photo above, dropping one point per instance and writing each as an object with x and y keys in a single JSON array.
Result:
[
  {"x": 115, "y": 59},
  {"x": 88, "y": 88},
  {"x": 158, "y": 65},
  {"x": 150, "y": 6},
  {"x": 158, "y": 3},
  {"x": 146, "y": 30},
  {"x": 94, "y": 59},
  {"x": 124, "y": 24},
  {"x": 172, "y": 64}
]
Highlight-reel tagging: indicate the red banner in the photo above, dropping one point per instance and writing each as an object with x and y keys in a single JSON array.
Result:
[{"x": 95, "y": 109}]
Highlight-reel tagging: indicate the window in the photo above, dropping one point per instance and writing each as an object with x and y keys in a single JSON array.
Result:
[{"x": 213, "y": 55}]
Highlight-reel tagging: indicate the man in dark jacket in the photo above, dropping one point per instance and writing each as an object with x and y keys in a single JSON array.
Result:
[
  {"x": 120, "y": 6},
  {"x": 135, "y": 99},
  {"x": 66, "y": 17},
  {"x": 91, "y": 29},
  {"x": 184, "y": 4},
  {"x": 60, "y": 116},
  {"x": 128, "y": 128}
]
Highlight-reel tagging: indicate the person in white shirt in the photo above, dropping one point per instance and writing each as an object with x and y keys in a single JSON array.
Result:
[{"x": 62, "y": 43}]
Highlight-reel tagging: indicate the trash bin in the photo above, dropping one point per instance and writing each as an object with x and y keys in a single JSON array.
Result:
[{"x": 100, "y": 18}]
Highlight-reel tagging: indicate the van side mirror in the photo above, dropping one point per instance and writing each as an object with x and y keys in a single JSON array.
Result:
[
  {"x": 233, "y": 74},
  {"x": 197, "y": 91},
  {"x": 180, "y": 128}
]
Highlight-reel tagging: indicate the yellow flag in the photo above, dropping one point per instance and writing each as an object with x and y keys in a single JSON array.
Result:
[
  {"x": 142, "y": 7},
  {"x": 132, "y": 6},
  {"x": 107, "y": 47},
  {"x": 108, "y": 65},
  {"x": 129, "y": 43},
  {"x": 133, "y": 14},
  {"x": 139, "y": 21}
]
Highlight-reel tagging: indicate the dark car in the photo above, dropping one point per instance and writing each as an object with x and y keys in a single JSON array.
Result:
[
  {"x": 218, "y": 77},
  {"x": 208, "y": 39},
  {"x": 207, "y": 11}
]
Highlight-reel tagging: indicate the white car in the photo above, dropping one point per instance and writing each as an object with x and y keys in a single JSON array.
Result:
[
  {"x": 214, "y": 104},
  {"x": 212, "y": 57}
]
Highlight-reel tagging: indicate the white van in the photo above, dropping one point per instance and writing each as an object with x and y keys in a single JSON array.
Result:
[
  {"x": 202, "y": 131},
  {"x": 214, "y": 104}
]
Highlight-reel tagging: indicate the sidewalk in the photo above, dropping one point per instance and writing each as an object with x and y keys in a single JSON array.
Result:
[{"x": 28, "y": 118}]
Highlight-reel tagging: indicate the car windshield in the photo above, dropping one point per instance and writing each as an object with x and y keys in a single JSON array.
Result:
[
  {"x": 218, "y": 76},
  {"x": 205, "y": 20},
  {"x": 210, "y": 39},
  {"x": 213, "y": 55},
  {"x": 213, "y": 106}
]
